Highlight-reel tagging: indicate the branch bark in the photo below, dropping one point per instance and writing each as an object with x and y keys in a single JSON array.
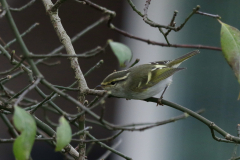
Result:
[{"x": 82, "y": 85}]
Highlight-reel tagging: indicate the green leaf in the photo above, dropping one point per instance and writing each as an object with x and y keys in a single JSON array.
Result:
[
  {"x": 230, "y": 42},
  {"x": 122, "y": 52},
  {"x": 64, "y": 134},
  {"x": 24, "y": 123}
]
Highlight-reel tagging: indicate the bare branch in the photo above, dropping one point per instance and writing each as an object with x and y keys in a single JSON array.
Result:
[
  {"x": 100, "y": 8},
  {"x": 27, "y": 90},
  {"x": 208, "y": 14},
  {"x": 23, "y": 7},
  {"x": 20, "y": 40},
  {"x": 163, "y": 44},
  {"x": 199, "y": 117},
  {"x": 50, "y": 64},
  {"x": 134, "y": 63},
  {"x": 107, "y": 153},
  {"x": 57, "y": 5},
  {"x": 22, "y": 35},
  {"x": 3, "y": 13},
  {"x": 87, "y": 54},
  {"x": 108, "y": 148},
  {"x": 42, "y": 103},
  {"x": 65, "y": 40}
]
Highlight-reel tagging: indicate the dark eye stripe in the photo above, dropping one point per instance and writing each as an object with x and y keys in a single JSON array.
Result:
[
  {"x": 115, "y": 82},
  {"x": 112, "y": 83}
]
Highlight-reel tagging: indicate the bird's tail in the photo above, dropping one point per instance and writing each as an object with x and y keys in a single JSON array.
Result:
[{"x": 175, "y": 63}]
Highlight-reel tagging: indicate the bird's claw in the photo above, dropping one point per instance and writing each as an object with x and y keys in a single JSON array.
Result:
[{"x": 159, "y": 102}]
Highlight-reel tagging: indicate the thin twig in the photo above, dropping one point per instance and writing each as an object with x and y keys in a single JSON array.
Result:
[
  {"x": 12, "y": 69},
  {"x": 43, "y": 102},
  {"x": 12, "y": 55},
  {"x": 50, "y": 132},
  {"x": 134, "y": 63},
  {"x": 134, "y": 8},
  {"x": 93, "y": 101},
  {"x": 87, "y": 54},
  {"x": 20, "y": 40},
  {"x": 3, "y": 14},
  {"x": 51, "y": 63},
  {"x": 57, "y": 5},
  {"x": 22, "y": 35},
  {"x": 80, "y": 132},
  {"x": 5, "y": 78},
  {"x": 132, "y": 127},
  {"x": 27, "y": 90},
  {"x": 172, "y": 23},
  {"x": 93, "y": 68},
  {"x": 108, "y": 148},
  {"x": 163, "y": 44},
  {"x": 73, "y": 140},
  {"x": 208, "y": 14},
  {"x": 107, "y": 153},
  {"x": 106, "y": 139},
  {"x": 164, "y": 35},
  {"x": 5, "y": 90},
  {"x": 234, "y": 154},
  {"x": 219, "y": 139},
  {"x": 100, "y": 8},
  {"x": 150, "y": 125},
  {"x": 102, "y": 111},
  {"x": 23, "y": 7},
  {"x": 73, "y": 39},
  {"x": 60, "y": 111},
  {"x": 76, "y": 116},
  {"x": 20, "y": 92},
  {"x": 198, "y": 117},
  {"x": 170, "y": 27},
  {"x": 8, "y": 123},
  {"x": 52, "y": 124},
  {"x": 186, "y": 20},
  {"x": 150, "y": 22},
  {"x": 66, "y": 88}
]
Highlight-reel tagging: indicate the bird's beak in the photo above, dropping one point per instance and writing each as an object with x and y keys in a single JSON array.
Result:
[{"x": 98, "y": 86}]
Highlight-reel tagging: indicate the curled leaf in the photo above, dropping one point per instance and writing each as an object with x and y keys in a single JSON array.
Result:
[
  {"x": 122, "y": 52},
  {"x": 230, "y": 42},
  {"x": 24, "y": 123},
  {"x": 64, "y": 134}
]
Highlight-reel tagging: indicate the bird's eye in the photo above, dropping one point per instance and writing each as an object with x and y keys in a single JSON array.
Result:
[{"x": 113, "y": 83}]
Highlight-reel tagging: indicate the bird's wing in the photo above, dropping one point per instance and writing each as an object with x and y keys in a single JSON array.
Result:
[
  {"x": 153, "y": 76},
  {"x": 175, "y": 63},
  {"x": 162, "y": 63}
]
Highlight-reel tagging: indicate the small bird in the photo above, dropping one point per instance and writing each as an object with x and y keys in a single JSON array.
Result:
[{"x": 144, "y": 81}]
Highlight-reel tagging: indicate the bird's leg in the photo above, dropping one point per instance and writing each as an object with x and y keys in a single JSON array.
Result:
[{"x": 160, "y": 99}]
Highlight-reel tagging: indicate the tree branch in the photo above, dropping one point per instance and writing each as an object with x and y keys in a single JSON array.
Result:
[
  {"x": 163, "y": 44},
  {"x": 109, "y": 148},
  {"x": 57, "y": 5},
  {"x": 20, "y": 40},
  {"x": 23, "y": 7},
  {"x": 210, "y": 124}
]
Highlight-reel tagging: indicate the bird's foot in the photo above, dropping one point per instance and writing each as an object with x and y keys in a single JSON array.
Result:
[{"x": 159, "y": 102}]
